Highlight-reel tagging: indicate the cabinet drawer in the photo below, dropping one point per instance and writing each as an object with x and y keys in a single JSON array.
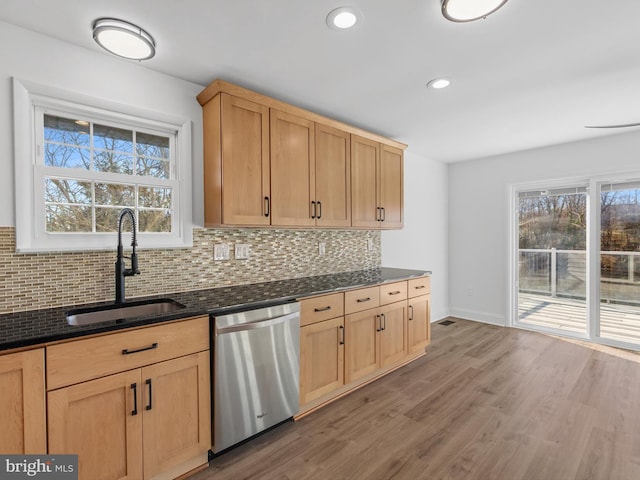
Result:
[
  {"x": 419, "y": 286},
  {"x": 81, "y": 360},
  {"x": 316, "y": 309},
  {"x": 393, "y": 292},
  {"x": 362, "y": 299}
]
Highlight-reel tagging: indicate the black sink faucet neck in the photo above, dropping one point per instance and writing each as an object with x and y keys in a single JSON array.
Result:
[{"x": 121, "y": 270}]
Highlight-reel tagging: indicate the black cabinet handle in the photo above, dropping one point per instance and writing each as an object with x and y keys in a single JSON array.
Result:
[
  {"x": 341, "y": 342},
  {"x": 148, "y": 382},
  {"x": 383, "y": 326},
  {"x": 313, "y": 209},
  {"x": 324, "y": 309},
  {"x": 379, "y": 329},
  {"x": 419, "y": 287},
  {"x": 378, "y": 215},
  {"x": 361, "y": 300},
  {"x": 384, "y": 215},
  {"x": 410, "y": 312},
  {"x": 134, "y": 387},
  {"x": 397, "y": 292},
  {"x": 153, "y": 346},
  {"x": 319, "y": 210},
  {"x": 267, "y": 207}
]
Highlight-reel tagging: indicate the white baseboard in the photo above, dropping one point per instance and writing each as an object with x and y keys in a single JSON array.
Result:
[
  {"x": 482, "y": 317},
  {"x": 437, "y": 316}
]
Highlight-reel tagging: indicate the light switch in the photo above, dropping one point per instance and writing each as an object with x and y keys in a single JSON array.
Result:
[
  {"x": 242, "y": 251},
  {"x": 221, "y": 251}
]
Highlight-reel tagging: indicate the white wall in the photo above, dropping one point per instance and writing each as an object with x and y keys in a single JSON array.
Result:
[
  {"x": 422, "y": 244},
  {"x": 40, "y": 59},
  {"x": 479, "y": 216}
]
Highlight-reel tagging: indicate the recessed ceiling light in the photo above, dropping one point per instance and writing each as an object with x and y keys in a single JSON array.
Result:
[
  {"x": 469, "y": 10},
  {"x": 438, "y": 83},
  {"x": 343, "y": 18},
  {"x": 123, "y": 39}
]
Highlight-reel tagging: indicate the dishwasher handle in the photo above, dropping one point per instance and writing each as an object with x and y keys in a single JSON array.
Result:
[{"x": 270, "y": 322}]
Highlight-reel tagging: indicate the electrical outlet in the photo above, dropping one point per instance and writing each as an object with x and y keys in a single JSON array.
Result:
[
  {"x": 369, "y": 244},
  {"x": 221, "y": 251},
  {"x": 321, "y": 248},
  {"x": 242, "y": 251}
]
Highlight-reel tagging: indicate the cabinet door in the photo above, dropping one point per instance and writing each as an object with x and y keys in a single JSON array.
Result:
[
  {"x": 333, "y": 177},
  {"x": 364, "y": 184},
  {"x": 321, "y": 359},
  {"x": 393, "y": 336},
  {"x": 418, "y": 324},
  {"x": 101, "y": 421},
  {"x": 177, "y": 412},
  {"x": 391, "y": 187},
  {"x": 22, "y": 403},
  {"x": 245, "y": 162},
  {"x": 362, "y": 344},
  {"x": 292, "y": 170}
]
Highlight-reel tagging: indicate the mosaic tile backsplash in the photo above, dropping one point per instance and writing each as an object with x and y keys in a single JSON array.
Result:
[{"x": 43, "y": 280}]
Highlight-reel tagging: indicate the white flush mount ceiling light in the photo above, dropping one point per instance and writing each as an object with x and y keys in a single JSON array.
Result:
[
  {"x": 439, "y": 83},
  {"x": 123, "y": 39},
  {"x": 343, "y": 18},
  {"x": 469, "y": 10}
]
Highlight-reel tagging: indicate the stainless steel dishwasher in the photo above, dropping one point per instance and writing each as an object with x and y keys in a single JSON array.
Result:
[{"x": 256, "y": 371}]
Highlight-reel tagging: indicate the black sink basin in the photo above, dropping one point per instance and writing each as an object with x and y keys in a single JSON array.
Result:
[{"x": 123, "y": 311}]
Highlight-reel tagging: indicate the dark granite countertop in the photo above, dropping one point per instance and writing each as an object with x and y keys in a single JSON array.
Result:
[{"x": 48, "y": 325}]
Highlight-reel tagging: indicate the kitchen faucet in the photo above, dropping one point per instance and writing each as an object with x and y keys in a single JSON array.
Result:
[{"x": 121, "y": 271}]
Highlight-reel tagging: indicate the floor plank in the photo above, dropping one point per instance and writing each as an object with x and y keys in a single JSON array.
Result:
[{"x": 485, "y": 403}]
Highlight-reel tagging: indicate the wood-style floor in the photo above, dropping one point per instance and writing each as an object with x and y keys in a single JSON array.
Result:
[{"x": 485, "y": 403}]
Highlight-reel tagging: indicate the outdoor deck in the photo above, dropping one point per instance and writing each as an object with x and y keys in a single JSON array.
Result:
[{"x": 618, "y": 322}]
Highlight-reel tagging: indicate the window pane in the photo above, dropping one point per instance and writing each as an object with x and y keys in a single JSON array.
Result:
[
  {"x": 154, "y": 221},
  {"x": 67, "y": 218},
  {"x": 107, "y": 219},
  {"x": 152, "y": 146},
  {"x": 152, "y": 167},
  {"x": 60, "y": 190},
  {"x": 112, "y": 138},
  {"x": 56, "y": 155},
  {"x": 66, "y": 130},
  {"x": 115, "y": 195},
  {"x": 113, "y": 162},
  {"x": 154, "y": 197}
]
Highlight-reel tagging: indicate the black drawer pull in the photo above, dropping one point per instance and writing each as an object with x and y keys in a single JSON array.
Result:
[
  {"x": 360, "y": 300},
  {"x": 153, "y": 346},
  {"x": 148, "y": 382},
  {"x": 324, "y": 309},
  {"x": 134, "y": 387},
  {"x": 397, "y": 292},
  {"x": 418, "y": 287}
]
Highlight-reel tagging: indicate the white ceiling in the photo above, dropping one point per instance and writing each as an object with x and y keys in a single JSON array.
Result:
[{"x": 532, "y": 74}]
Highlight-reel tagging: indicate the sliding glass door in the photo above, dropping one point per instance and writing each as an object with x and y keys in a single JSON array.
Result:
[
  {"x": 552, "y": 254},
  {"x": 620, "y": 262},
  {"x": 577, "y": 261}
]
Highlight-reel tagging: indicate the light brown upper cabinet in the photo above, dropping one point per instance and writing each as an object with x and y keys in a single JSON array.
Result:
[
  {"x": 376, "y": 184},
  {"x": 292, "y": 170},
  {"x": 267, "y": 162},
  {"x": 236, "y": 162},
  {"x": 333, "y": 177}
]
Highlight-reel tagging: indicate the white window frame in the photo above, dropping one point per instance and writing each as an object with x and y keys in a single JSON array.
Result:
[{"x": 30, "y": 102}]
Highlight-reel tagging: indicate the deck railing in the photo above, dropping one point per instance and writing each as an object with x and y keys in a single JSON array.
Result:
[{"x": 563, "y": 273}]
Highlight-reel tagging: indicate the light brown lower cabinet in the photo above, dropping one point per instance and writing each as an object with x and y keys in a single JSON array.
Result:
[
  {"x": 22, "y": 403},
  {"x": 375, "y": 339},
  {"x": 418, "y": 324},
  {"x": 145, "y": 423},
  {"x": 321, "y": 359}
]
